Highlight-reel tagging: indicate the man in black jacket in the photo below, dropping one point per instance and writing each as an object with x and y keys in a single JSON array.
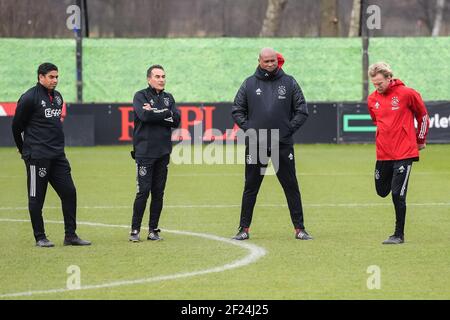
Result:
[
  {"x": 154, "y": 116},
  {"x": 270, "y": 100},
  {"x": 39, "y": 137}
]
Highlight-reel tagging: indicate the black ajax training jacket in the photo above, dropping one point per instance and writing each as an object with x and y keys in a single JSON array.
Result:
[
  {"x": 37, "y": 127},
  {"x": 270, "y": 101},
  {"x": 152, "y": 129}
]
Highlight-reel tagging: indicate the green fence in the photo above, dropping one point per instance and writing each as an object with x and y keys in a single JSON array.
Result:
[
  {"x": 20, "y": 58},
  {"x": 211, "y": 70}
]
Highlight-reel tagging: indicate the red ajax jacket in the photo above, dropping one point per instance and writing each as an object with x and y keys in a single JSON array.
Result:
[{"x": 393, "y": 113}]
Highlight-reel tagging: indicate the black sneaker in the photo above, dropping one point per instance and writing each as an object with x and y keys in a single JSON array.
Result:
[
  {"x": 44, "y": 243},
  {"x": 75, "y": 241},
  {"x": 134, "y": 236},
  {"x": 242, "y": 234},
  {"x": 301, "y": 234},
  {"x": 394, "y": 240},
  {"x": 154, "y": 235}
]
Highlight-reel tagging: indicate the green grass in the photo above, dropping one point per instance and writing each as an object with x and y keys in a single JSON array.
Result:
[{"x": 342, "y": 212}]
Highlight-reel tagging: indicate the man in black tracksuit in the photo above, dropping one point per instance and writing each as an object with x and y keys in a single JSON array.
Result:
[
  {"x": 272, "y": 100},
  {"x": 39, "y": 137},
  {"x": 154, "y": 116}
]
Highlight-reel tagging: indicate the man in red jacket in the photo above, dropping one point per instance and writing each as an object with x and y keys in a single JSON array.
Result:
[{"x": 393, "y": 107}]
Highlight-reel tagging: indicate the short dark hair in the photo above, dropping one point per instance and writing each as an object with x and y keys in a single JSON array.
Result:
[
  {"x": 155, "y": 66},
  {"x": 46, "y": 68}
]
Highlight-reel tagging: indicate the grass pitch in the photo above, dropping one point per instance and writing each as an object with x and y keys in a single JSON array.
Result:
[{"x": 348, "y": 220}]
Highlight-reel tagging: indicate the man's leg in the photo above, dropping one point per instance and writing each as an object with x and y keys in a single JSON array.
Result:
[
  {"x": 402, "y": 170},
  {"x": 144, "y": 171},
  {"x": 37, "y": 180},
  {"x": 253, "y": 180},
  {"x": 287, "y": 177},
  {"x": 383, "y": 177},
  {"x": 61, "y": 180},
  {"x": 160, "y": 169}
]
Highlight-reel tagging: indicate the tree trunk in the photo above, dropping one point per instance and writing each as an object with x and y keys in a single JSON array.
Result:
[
  {"x": 272, "y": 21},
  {"x": 355, "y": 20},
  {"x": 328, "y": 18},
  {"x": 440, "y": 4}
]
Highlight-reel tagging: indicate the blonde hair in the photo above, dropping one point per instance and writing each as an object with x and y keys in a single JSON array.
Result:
[{"x": 380, "y": 67}]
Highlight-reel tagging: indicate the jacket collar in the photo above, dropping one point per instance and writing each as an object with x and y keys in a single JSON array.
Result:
[
  {"x": 268, "y": 76},
  {"x": 153, "y": 90},
  {"x": 44, "y": 89}
]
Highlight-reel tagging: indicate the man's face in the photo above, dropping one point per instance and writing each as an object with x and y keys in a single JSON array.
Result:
[
  {"x": 380, "y": 82},
  {"x": 268, "y": 61},
  {"x": 157, "y": 79},
  {"x": 50, "y": 80}
]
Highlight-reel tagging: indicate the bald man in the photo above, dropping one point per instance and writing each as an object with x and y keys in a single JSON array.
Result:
[{"x": 270, "y": 100}]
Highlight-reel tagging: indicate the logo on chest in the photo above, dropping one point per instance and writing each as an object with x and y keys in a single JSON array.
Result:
[
  {"x": 395, "y": 103},
  {"x": 166, "y": 102},
  {"x": 258, "y": 92},
  {"x": 281, "y": 92},
  {"x": 58, "y": 100}
]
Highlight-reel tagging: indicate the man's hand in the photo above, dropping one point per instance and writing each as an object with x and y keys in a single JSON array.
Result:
[
  {"x": 147, "y": 107},
  {"x": 421, "y": 146}
]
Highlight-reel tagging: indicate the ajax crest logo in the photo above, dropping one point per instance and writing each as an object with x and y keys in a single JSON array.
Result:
[
  {"x": 395, "y": 102},
  {"x": 166, "y": 102},
  {"x": 281, "y": 92},
  {"x": 142, "y": 171},
  {"x": 42, "y": 172},
  {"x": 58, "y": 100}
]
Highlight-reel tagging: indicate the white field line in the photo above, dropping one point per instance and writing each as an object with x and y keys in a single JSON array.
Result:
[
  {"x": 255, "y": 253},
  {"x": 266, "y": 205}
]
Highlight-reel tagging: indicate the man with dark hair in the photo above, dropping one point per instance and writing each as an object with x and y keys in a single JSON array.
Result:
[
  {"x": 39, "y": 137},
  {"x": 155, "y": 114},
  {"x": 393, "y": 107},
  {"x": 270, "y": 100}
]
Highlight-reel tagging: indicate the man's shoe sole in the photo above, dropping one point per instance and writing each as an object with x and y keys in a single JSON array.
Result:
[
  {"x": 50, "y": 246},
  {"x": 76, "y": 244},
  {"x": 240, "y": 239},
  {"x": 384, "y": 242}
]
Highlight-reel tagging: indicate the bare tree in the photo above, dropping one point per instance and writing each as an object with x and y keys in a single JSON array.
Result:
[
  {"x": 355, "y": 19},
  {"x": 328, "y": 18},
  {"x": 271, "y": 22},
  {"x": 440, "y": 4}
]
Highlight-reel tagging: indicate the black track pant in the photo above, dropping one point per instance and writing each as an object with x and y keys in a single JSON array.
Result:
[
  {"x": 56, "y": 171},
  {"x": 393, "y": 176},
  {"x": 286, "y": 176},
  {"x": 151, "y": 176}
]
